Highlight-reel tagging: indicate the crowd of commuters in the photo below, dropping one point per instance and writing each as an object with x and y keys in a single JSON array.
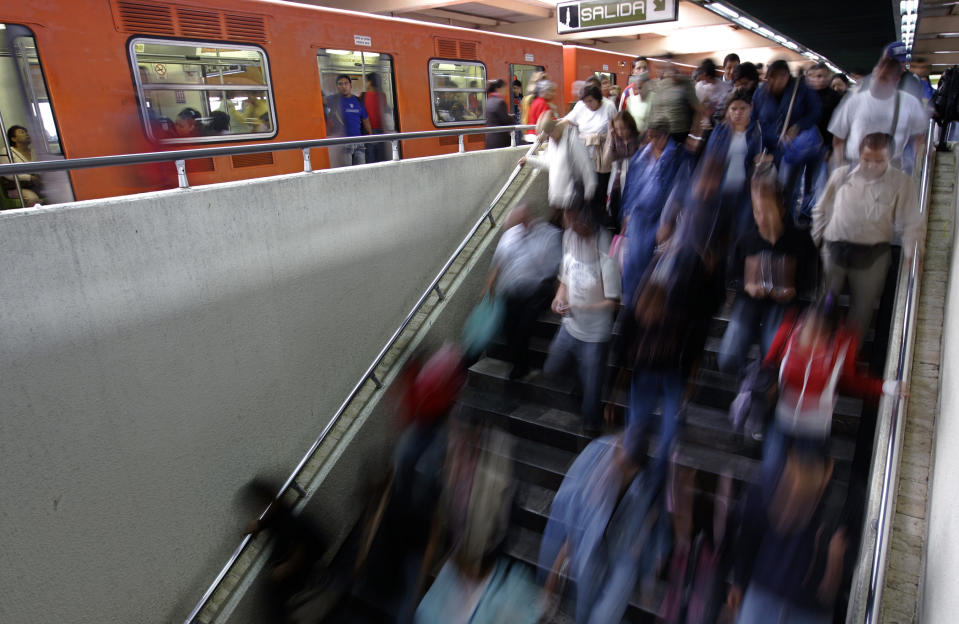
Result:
[{"x": 778, "y": 190}]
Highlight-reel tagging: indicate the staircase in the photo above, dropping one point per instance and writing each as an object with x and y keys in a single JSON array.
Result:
[{"x": 543, "y": 416}]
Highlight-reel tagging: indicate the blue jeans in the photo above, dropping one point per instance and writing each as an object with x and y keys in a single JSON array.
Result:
[
  {"x": 589, "y": 358},
  {"x": 347, "y": 155},
  {"x": 802, "y": 184},
  {"x": 762, "y": 607},
  {"x": 648, "y": 388},
  {"x": 749, "y": 318}
]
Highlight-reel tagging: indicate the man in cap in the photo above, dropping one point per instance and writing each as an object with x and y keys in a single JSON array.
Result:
[{"x": 881, "y": 104}]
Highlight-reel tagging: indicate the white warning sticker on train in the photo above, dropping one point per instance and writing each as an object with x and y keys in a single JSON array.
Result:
[
  {"x": 363, "y": 40},
  {"x": 528, "y": 57}
]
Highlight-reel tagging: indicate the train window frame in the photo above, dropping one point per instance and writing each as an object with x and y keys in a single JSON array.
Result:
[
  {"x": 437, "y": 123},
  {"x": 36, "y": 121},
  {"x": 227, "y": 138}
]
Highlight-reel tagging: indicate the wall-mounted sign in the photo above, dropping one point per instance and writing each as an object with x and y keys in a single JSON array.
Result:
[
  {"x": 363, "y": 40},
  {"x": 580, "y": 15},
  {"x": 528, "y": 57},
  {"x": 605, "y": 67}
]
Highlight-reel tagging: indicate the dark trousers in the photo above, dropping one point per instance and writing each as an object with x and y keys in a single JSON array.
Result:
[{"x": 522, "y": 310}]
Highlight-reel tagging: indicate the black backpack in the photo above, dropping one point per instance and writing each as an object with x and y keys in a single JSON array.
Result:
[{"x": 946, "y": 99}]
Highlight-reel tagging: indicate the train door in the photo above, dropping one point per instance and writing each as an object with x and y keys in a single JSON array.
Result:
[
  {"x": 372, "y": 81},
  {"x": 29, "y": 125},
  {"x": 524, "y": 74}
]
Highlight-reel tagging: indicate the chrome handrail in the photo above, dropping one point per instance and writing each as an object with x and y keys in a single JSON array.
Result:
[
  {"x": 890, "y": 477},
  {"x": 368, "y": 375},
  {"x": 178, "y": 157}
]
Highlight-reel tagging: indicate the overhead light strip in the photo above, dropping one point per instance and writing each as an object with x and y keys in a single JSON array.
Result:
[{"x": 768, "y": 33}]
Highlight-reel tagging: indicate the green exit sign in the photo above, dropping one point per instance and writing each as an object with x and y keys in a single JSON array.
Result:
[{"x": 580, "y": 15}]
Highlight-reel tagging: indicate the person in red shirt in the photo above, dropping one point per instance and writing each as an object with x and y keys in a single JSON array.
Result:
[
  {"x": 815, "y": 357},
  {"x": 374, "y": 100}
]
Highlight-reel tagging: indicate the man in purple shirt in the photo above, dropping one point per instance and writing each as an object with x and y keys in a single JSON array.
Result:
[{"x": 346, "y": 116}]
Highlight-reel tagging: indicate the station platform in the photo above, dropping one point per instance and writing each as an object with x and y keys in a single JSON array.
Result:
[{"x": 161, "y": 350}]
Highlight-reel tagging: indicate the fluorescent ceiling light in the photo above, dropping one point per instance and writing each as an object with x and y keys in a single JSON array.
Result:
[
  {"x": 748, "y": 23},
  {"x": 725, "y": 10}
]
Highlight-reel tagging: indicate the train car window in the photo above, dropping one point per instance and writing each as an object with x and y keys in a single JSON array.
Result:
[
  {"x": 29, "y": 124},
  {"x": 607, "y": 75},
  {"x": 194, "y": 92},
  {"x": 372, "y": 81},
  {"x": 458, "y": 92}
]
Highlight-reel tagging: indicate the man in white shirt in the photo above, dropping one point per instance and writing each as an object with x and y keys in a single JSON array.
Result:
[
  {"x": 572, "y": 179},
  {"x": 881, "y": 107}
]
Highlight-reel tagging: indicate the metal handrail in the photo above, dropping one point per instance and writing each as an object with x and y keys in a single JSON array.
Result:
[
  {"x": 368, "y": 375},
  {"x": 890, "y": 477},
  {"x": 179, "y": 157}
]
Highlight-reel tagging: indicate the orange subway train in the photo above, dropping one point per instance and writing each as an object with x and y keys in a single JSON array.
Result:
[{"x": 124, "y": 76}]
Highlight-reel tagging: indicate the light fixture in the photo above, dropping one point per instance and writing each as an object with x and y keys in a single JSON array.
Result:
[
  {"x": 748, "y": 23},
  {"x": 723, "y": 9}
]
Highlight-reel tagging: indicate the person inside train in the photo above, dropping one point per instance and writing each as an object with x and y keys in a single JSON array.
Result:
[
  {"x": 497, "y": 114},
  {"x": 219, "y": 124},
  {"x": 675, "y": 104},
  {"x": 773, "y": 263},
  {"x": 542, "y": 103},
  {"x": 188, "y": 123},
  {"x": 730, "y": 63},
  {"x": 607, "y": 527},
  {"x": 572, "y": 178},
  {"x": 592, "y": 116},
  {"x": 840, "y": 84},
  {"x": 346, "y": 117},
  {"x": 861, "y": 209},
  {"x": 587, "y": 298},
  {"x": 377, "y": 109},
  {"x": 19, "y": 142},
  {"x": 516, "y": 100},
  {"x": 880, "y": 106},
  {"x": 255, "y": 112}
]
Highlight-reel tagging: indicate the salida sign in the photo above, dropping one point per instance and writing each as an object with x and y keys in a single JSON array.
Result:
[{"x": 580, "y": 15}]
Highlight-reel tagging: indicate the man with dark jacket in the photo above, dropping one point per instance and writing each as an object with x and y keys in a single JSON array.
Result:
[
  {"x": 785, "y": 96},
  {"x": 497, "y": 113}
]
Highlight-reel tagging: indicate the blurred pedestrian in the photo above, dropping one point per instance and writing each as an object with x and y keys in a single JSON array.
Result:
[
  {"x": 773, "y": 262},
  {"x": 625, "y": 141},
  {"x": 592, "y": 116},
  {"x": 607, "y": 527},
  {"x": 587, "y": 297},
  {"x": 524, "y": 269},
  {"x": 572, "y": 179},
  {"x": 856, "y": 220},
  {"x": 542, "y": 102}
]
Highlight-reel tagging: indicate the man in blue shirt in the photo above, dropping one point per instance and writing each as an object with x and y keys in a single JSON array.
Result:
[{"x": 346, "y": 116}]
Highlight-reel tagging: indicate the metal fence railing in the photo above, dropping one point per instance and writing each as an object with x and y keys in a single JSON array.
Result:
[{"x": 179, "y": 157}]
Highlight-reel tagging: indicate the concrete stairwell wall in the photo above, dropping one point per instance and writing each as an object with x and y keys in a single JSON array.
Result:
[{"x": 160, "y": 350}]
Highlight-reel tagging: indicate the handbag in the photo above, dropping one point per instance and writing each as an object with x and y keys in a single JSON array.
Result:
[{"x": 482, "y": 325}]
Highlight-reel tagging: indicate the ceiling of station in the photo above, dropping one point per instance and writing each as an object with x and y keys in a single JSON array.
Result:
[
  {"x": 937, "y": 34},
  {"x": 850, "y": 33}
]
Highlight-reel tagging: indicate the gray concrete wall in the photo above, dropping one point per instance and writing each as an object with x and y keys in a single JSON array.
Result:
[
  {"x": 160, "y": 350},
  {"x": 938, "y": 595}
]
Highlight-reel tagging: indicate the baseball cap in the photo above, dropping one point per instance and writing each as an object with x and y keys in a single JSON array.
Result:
[{"x": 896, "y": 50}]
